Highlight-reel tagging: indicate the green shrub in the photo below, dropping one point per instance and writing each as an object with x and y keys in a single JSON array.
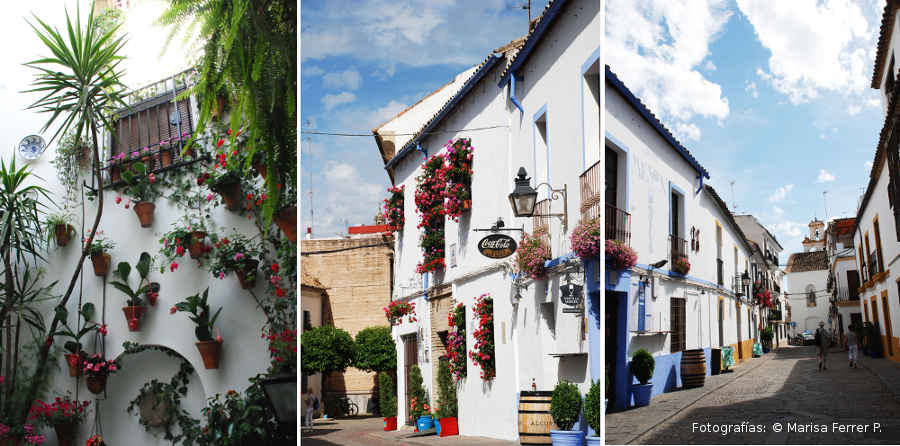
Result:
[
  {"x": 642, "y": 364},
  {"x": 593, "y": 406},
  {"x": 418, "y": 397},
  {"x": 325, "y": 349},
  {"x": 387, "y": 396},
  {"x": 565, "y": 405},
  {"x": 446, "y": 392},
  {"x": 375, "y": 350}
]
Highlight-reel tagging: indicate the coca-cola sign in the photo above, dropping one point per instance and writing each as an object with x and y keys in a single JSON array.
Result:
[{"x": 497, "y": 246}]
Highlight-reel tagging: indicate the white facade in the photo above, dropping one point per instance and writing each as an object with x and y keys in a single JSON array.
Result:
[
  {"x": 558, "y": 92},
  {"x": 807, "y": 316}
]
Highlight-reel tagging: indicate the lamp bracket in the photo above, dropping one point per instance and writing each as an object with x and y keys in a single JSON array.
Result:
[
  {"x": 556, "y": 194},
  {"x": 499, "y": 226}
]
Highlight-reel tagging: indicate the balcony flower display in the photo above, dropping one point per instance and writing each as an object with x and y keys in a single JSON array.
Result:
[
  {"x": 532, "y": 253},
  {"x": 393, "y": 208},
  {"x": 762, "y": 296},
  {"x": 456, "y": 342},
  {"x": 430, "y": 205},
  {"x": 587, "y": 239},
  {"x": 618, "y": 255},
  {"x": 96, "y": 369},
  {"x": 397, "y": 309},
  {"x": 681, "y": 265},
  {"x": 200, "y": 314},
  {"x": 64, "y": 415},
  {"x": 457, "y": 174},
  {"x": 483, "y": 354},
  {"x": 235, "y": 253}
]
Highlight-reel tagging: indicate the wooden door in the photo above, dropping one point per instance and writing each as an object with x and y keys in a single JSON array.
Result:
[
  {"x": 612, "y": 179},
  {"x": 740, "y": 345},
  {"x": 411, "y": 358},
  {"x": 887, "y": 323},
  {"x": 721, "y": 327}
]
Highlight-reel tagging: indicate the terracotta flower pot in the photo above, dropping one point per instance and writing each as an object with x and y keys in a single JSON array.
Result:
[
  {"x": 65, "y": 433},
  {"x": 261, "y": 168},
  {"x": 247, "y": 274},
  {"x": 134, "y": 313},
  {"x": 114, "y": 173},
  {"x": 74, "y": 362},
  {"x": 231, "y": 194},
  {"x": 287, "y": 221},
  {"x": 209, "y": 351},
  {"x": 101, "y": 263},
  {"x": 197, "y": 247},
  {"x": 63, "y": 234},
  {"x": 165, "y": 157},
  {"x": 144, "y": 211},
  {"x": 96, "y": 383}
]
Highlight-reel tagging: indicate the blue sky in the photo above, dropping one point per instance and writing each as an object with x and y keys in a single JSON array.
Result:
[
  {"x": 771, "y": 95},
  {"x": 364, "y": 62}
]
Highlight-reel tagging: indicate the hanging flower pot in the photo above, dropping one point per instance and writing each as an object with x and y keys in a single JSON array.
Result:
[
  {"x": 74, "y": 362},
  {"x": 165, "y": 157},
  {"x": 65, "y": 433},
  {"x": 287, "y": 221},
  {"x": 231, "y": 194},
  {"x": 247, "y": 273},
  {"x": 197, "y": 248},
  {"x": 209, "y": 351},
  {"x": 101, "y": 263},
  {"x": 133, "y": 315},
  {"x": 96, "y": 383},
  {"x": 63, "y": 234},
  {"x": 115, "y": 173},
  {"x": 144, "y": 211},
  {"x": 153, "y": 293}
]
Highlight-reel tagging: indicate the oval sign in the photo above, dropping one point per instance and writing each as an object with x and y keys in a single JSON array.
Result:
[{"x": 497, "y": 246}]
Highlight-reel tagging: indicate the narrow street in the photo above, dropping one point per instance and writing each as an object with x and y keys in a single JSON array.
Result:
[
  {"x": 367, "y": 431},
  {"x": 788, "y": 392}
]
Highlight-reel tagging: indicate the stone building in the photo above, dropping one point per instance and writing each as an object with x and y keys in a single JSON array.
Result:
[
  {"x": 356, "y": 271},
  {"x": 313, "y": 299}
]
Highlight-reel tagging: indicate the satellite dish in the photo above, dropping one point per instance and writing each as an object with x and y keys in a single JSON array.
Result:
[{"x": 31, "y": 147}]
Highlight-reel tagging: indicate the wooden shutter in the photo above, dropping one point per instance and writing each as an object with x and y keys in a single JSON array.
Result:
[{"x": 677, "y": 318}]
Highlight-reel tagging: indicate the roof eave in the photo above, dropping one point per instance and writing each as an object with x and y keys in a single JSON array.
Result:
[{"x": 539, "y": 30}]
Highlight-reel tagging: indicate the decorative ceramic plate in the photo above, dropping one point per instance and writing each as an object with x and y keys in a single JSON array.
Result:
[{"x": 32, "y": 146}]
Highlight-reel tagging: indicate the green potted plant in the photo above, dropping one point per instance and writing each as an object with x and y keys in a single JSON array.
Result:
[
  {"x": 387, "y": 401},
  {"x": 76, "y": 355},
  {"x": 681, "y": 266},
  {"x": 419, "y": 409},
  {"x": 286, "y": 216},
  {"x": 59, "y": 228},
  {"x": 135, "y": 308},
  {"x": 99, "y": 250},
  {"x": 767, "y": 334},
  {"x": 199, "y": 309},
  {"x": 63, "y": 415},
  {"x": 642, "y": 365},
  {"x": 235, "y": 253},
  {"x": 141, "y": 187},
  {"x": 446, "y": 423},
  {"x": 96, "y": 370},
  {"x": 565, "y": 406},
  {"x": 187, "y": 235},
  {"x": 594, "y": 411}
]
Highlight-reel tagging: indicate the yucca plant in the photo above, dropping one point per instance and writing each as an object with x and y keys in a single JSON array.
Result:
[{"x": 79, "y": 85}]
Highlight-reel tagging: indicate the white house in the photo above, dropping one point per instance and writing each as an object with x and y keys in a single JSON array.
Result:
[
  {"x": 806, "y": 283},
  {"x": 656, "y": 184},
  {"x": 517, "y": 106},
  {"x": 843, "y": 278},
  {"x": 766, "y": 273}
]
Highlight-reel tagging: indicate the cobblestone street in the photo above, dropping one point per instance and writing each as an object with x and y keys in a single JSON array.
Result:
[
  {"x": 367, "y": 431},
  {"x": 785, "y": 391}
]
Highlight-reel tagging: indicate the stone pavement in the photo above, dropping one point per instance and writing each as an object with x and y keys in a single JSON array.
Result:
[
  {"x": 625, "y": 426},
  {"x": 367, "y": 431},
  {"x": 786, "y": 400},
  {"x": 887, "y": 371}
]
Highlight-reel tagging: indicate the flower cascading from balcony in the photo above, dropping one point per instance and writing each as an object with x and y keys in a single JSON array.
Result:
[
  {"x": 762, "y": 296},
  {"x": 618, "y": 255},
  {"x": 430, "y": 206},
  {"x": 393, "y": 208},
  {"x": 457, "y": 174}
]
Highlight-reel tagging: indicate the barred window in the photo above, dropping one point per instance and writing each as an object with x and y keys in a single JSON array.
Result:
[{"x": 677, "y": 318}]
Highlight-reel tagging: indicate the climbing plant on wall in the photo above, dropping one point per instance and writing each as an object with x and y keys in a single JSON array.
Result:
[
  {"x": 430, "y": 205},
  {"x": 456, "y": 342},
  {"x": 483, "y": 354},
  {"x": 458, "y": 176}
]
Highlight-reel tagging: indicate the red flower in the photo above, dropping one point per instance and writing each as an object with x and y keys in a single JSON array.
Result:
[
  {"x": 219, "y": 144},
  {"x": 228, "y": 132},
  {"x": 172, "y": 310},
  {"x": 275, "y": 268}
]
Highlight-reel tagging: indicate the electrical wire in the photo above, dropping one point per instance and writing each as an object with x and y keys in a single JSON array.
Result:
[{"x": 350, "y": 133}]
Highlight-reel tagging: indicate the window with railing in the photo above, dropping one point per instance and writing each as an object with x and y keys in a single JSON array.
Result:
[
  {"x": 540, "y": 222},
  {"x": 720, "y": 272},
  {"x": 618, "y": 225},
  {"x": 678, "y": 248},
  {"x": 873, "y": 264},
  {"x": 591, "y": 191}
]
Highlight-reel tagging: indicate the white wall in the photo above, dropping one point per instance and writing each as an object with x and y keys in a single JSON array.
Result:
[{"x": 808, "y": 318}]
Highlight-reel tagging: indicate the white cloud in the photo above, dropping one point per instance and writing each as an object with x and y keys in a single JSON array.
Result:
[
  {"x": 337, "y": 172},
  {"x": 333, "y": 100},
  {"x": 854, "y": 109},
  {"x": 780, "y": 193},
  {"x": 821, "y": 136},
  {"x": 709, "y": 66},
  {"x": 873, "y": 102},
  {"x": 787, "y": 228},
  {"x": 348, "y": 80},
  {"x": 815, "y": 46},
  {"x": 311, "y": 71},
  {"x": 658, "y": 49},
  {"x": 687, "y": 131},
  {"x": 777, "y": 211},
  {"x": 750, "y": 87},
  {"x": 824, "y": 176}
]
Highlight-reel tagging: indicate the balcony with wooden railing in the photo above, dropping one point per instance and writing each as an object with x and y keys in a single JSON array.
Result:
[
  {"x": 592, "y": 192},
  {"x": 618, "y": 225}
]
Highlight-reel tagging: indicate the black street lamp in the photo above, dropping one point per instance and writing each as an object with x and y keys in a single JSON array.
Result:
[
  {"x": 281, "y": 391},
  {"x": 523, "y": 197}
]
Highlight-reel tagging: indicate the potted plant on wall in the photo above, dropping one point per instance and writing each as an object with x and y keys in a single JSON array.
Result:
[
  {"x": 199, "y": 311},
  {"x": 532, "y": 253},
  {"x": 395, "y": 311},
  {"x": 76, "y": 355},
  {"x": 387, "y": 401},
  {"x": 642, "y": 365},
  {"x": 286, "y": 216},
  {"x": 594, "y": 411},
  {"x": 135, "y": 308},
  {"x": 446, "y": 424},
  {"x": 63, "y": 415},
  {"x": 681, "y": 266},
  {"x": 59, "y": 228},
  {"x": 419, "y": 409},
  {"x": 141, "y": 187},
  {"x": 620, "y": 258},
  {"x": 767, "y": 334},
  {"x": 99, "y": 249},
  {"x": 235, "y": 253},
  {"x": 565, "y": 406},
  {"x": 186, "y": 236},
  {"x": 96, "y": 369}
]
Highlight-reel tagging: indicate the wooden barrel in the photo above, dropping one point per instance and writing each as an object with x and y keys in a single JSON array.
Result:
[
  {"x": 693, "y": 368},
  {"x": 535, "y": 421}
]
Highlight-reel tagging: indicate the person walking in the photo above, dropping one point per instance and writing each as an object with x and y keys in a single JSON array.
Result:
[
  {"x": 852, "y": 346},
  {"x": 822, "y": 344},
  {"x": 308, "y": 405}
]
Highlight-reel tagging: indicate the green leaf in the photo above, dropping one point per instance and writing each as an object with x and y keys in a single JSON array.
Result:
[
  {"x": 62, "y": 314},
  {"x": 88, "y": 311},
  {"x": 143, "y": 265},
  {"x": 123, "y": 270},
  {"x": 72, "y": 346}
]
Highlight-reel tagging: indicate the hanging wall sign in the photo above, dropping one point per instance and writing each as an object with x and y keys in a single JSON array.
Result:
[{"x": 497, "y": 246}]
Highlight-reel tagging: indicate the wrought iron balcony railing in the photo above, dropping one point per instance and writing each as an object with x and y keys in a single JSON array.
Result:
[
  {"x": 618, "y": 225},
  {"x": 591, "y": 182}
]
